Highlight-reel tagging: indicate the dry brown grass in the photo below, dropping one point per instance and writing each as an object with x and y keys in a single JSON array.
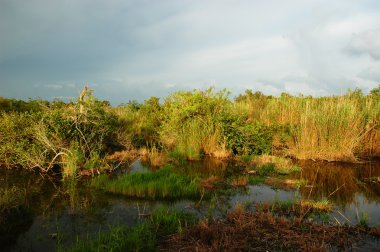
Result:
[
  {"x": 284, "y": 183},
  {"x": 320, "y": 206},
  {"x": 210, "y": 182},
  {"x": 371, "y": 144},
  {"x": 278, "y": 161},
  {"x": 222, "y": 153},
  {"x": 262, "y": 231},
  {"x": 338, "y": 128},
  {"x": 282, "y": 165},
  {"x": 153, "y": 156},
  {"x": 123, "y": 156},
  {"x": 240, "y": 181}
]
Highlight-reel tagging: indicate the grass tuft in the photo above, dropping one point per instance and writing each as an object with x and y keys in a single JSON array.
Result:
[{"x": 162, "y": 184}]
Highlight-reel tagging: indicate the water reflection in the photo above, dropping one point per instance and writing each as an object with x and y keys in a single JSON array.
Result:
[
  {"x": 340, "y": 182},
  {"x": 72, "y": 209}
]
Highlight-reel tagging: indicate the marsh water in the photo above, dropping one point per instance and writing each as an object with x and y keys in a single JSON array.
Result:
[{"x": 57, "y": 212}]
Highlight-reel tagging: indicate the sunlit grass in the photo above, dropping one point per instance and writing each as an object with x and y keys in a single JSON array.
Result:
[{"x": 162, "y": 184}]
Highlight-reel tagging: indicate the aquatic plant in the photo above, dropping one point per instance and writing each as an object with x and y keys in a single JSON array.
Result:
[
  {"x": 322, "y": 205},
  {"x": 145, "y": 236},
  {"x": 162, "y": 184},
  {"x": 362, "y": 219}
]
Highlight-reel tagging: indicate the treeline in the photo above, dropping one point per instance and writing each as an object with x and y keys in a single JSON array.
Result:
[{"x": 189, "y": 125}]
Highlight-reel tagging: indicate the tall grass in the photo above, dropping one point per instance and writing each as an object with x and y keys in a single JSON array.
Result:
[
  {"x": 162, "y": 184},
  {"x": 190, "y": 125},
  {"x": 330, "y": 128}
]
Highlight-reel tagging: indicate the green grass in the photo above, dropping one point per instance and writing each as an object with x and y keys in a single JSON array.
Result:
[
  {"x": 256, "y": 180},
  {"x": 143, "y": 237},
  {"x": 10, "y": 198},
  {"x": 162, "y": 184}
]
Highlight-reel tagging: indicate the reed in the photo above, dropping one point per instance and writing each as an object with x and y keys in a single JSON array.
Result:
[{"x": 330, "y": 128}]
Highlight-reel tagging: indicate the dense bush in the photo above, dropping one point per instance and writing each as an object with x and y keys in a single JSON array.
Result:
[
  {"x": 57, "y": 135},
  {"x": 247, "y": 138}
]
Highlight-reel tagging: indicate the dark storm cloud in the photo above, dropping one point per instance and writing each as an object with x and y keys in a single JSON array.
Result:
[{"x": 136, "y": 49}]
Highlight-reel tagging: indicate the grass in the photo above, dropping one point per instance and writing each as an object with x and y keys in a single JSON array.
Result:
[
  {"x": 190, "y": 125},
  {"x": 299, "y": 207},
  {"x": 162, "y": 184},
  {"x": 256, "y": 180},
  {"x": 240, "y": 181},
  {"x": 9, "y": 198},
  {"x": 323, "y": 205},
  {"x": 263, "y": 231},
  {"x": 269, "y": 165},
  {"x": 285, "y": 183},
  {"x": 329, "y": 128},
  {"x": 153, "y": 156},
  {"x": 145, "y": 236}
]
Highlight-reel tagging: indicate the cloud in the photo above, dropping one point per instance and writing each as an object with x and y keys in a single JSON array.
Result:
[
  {"x": 138, "y": 48},
  {"x": 367, "y": 42},
  {"x": 371, "y": 73},
  {"x": 53, "y": 86}
]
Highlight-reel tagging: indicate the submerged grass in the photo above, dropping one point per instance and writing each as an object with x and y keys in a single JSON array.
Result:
[
  {"x": 143, "y": 237},
  {"x": 162, "y": 184}
]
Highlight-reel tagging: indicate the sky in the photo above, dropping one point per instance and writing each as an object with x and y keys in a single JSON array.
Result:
[{"x": 134, "y": 49}]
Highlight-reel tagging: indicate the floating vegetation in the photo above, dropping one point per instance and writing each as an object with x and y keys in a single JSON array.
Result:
[{"x": 162, "y": 184}]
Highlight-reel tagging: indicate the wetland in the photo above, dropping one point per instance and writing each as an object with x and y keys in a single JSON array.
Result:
[{"x": 274, "y": 173}]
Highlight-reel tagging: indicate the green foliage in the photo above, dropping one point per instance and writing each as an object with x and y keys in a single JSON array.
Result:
[
  {"x": 162, "y": 184},
  {"x": 245, "y": 138},
  {"x": 376, "y": 91},
  {"x": 68, "y": 135},
  {"x": 18, "y": 146},
  {"x": 363, "y": 219},
  {"x": 148, "y": 121},
  {"x": 19, "y": 106},
  {"x": 189, "y": 125},
  {"x": 256, "y": 180},
  {"x": 192, "y": 122},
  {"x": 143, "y": 237},
  {"x": 267, "y": 169}
]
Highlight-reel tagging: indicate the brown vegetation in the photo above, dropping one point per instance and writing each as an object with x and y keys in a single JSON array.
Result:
[{"x": 261, "y": 231}]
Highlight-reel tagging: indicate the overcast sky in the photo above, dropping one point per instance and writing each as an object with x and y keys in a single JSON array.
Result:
[{"x": 126, "y": 49}]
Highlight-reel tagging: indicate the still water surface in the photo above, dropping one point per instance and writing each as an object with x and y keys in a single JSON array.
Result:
[{"x": 63, "y": 212}]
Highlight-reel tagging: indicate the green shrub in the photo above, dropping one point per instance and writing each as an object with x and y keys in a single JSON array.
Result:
[{"x": 247, "y": 138}]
